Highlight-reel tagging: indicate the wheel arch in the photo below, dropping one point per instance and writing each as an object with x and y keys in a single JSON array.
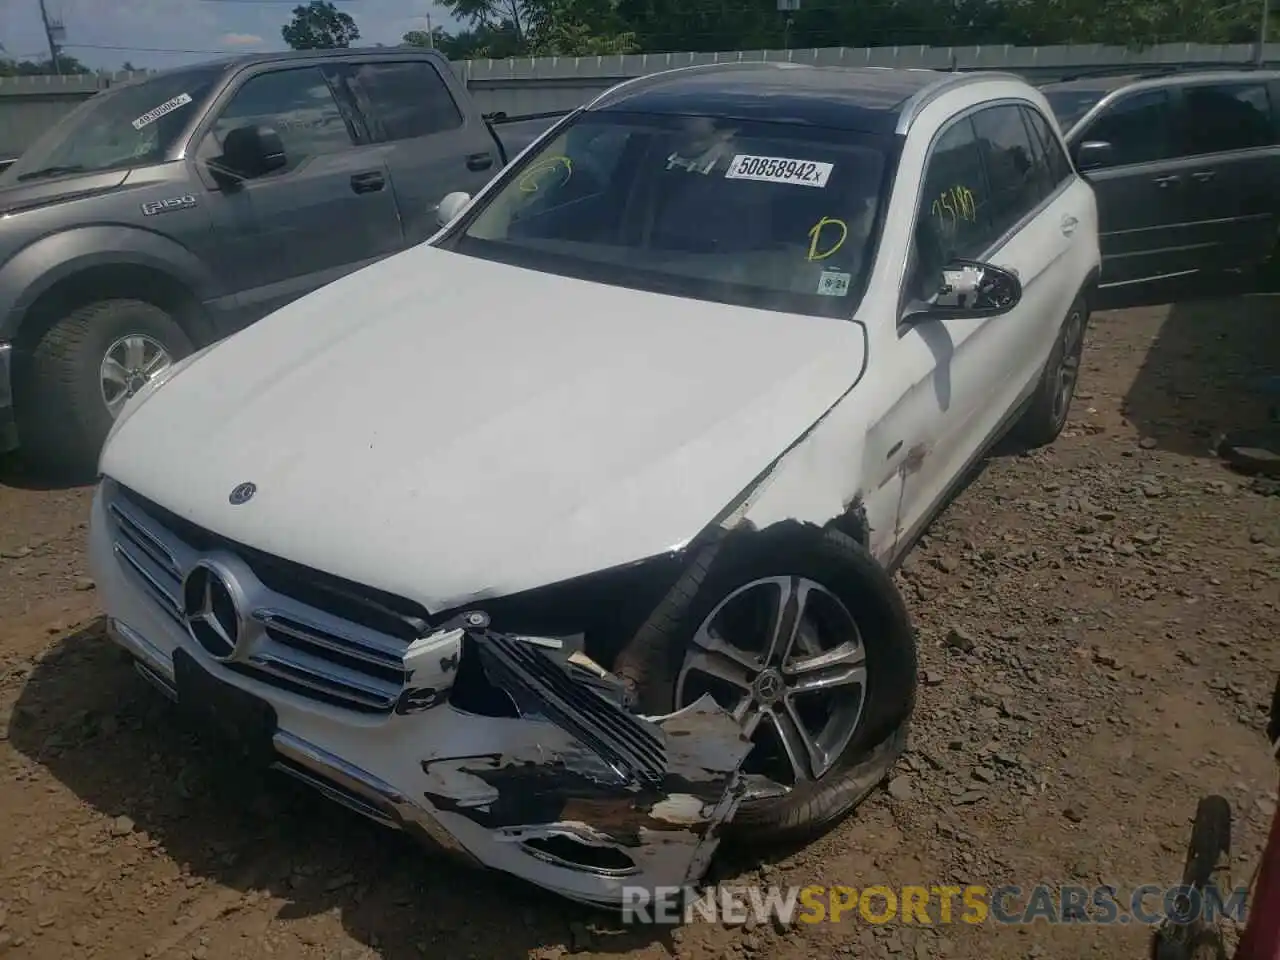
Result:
[{"x": 72, "y": 269}]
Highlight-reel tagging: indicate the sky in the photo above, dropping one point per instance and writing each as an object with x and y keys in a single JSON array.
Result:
[{"x": 168, "y": 33}]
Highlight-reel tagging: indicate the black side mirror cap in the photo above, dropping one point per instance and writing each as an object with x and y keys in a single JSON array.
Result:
[
  {"x": 1093, "y": 155},
  {"x": 252, "y": 151}
]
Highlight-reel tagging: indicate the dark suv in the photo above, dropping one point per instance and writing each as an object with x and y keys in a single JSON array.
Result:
[
  {"x": 166, "y": 213},
  {"x": 1186, "y": 167}
]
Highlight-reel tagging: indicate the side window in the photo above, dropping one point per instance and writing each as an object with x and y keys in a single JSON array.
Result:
[
  {"x": 952, "y": 220},
  {"x": 1137, "y": 127},
  {"x": 404, "y": 100},
  {"x": 297, "y": 104},
  {"x": 1059, "y": 167},
  {"x": 1214, "y": 118},
  {"x": 1006, "y": 149}
]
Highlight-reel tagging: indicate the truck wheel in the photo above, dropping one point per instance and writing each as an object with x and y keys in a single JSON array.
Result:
[
  {"x": 802, "y": 636},
  {"x": 1044, "y": 419},
  {"x": 84, "y": 369}
]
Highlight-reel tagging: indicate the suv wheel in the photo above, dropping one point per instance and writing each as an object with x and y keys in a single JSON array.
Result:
[
  {"x": 83, "y": 371},
  {"x": 803, "y": 637},
  {"x": 1044, "y": 419}
]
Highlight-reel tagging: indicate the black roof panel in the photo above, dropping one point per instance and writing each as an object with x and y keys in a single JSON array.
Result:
[{"x": 852, "y": 98}]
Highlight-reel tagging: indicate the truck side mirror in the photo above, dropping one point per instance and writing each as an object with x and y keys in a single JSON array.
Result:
[{"x": 252, "y": 151}]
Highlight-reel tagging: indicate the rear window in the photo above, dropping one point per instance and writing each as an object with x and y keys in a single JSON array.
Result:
[
  {"x": 1070, "y": 105},
  {"x": 772, "y": 215}
]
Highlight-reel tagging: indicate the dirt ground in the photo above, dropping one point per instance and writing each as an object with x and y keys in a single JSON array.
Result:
[{"x": 1098, "y": 627}]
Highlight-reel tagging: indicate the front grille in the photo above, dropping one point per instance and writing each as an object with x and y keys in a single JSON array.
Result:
[{"x": 303, "y": 630}]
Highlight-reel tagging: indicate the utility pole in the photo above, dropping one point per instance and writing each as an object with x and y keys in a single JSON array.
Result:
[
  {"x": 48, "y": 35},
  {"x": 1262, "y": 32},
  {"x": 431, "y": 37}
]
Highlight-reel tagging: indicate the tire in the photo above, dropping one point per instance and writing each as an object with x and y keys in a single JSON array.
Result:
[
  {"x": 1047, "y": 412},
  {"x": 842, "y": 566},
  {"x": 63, "y": 414}
]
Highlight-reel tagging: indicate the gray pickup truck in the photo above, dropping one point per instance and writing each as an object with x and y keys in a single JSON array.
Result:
[{"x": 166, "y": 213}]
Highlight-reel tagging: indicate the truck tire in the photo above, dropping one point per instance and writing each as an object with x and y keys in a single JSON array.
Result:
[
  {"x": 101, "y": 352},
  {"x": 1047, "y": 413},
  {"x": 867, "y": 611}
]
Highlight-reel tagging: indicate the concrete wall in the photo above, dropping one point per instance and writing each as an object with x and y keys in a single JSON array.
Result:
[{"x": 30, "y": 105}]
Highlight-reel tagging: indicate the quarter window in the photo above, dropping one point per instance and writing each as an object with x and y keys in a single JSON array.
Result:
[
  {"x": 1055, "y": 158},
  {"x": 1218, "y": 117},
  {"x": 297, "y": 104},
  {"x": 1006, "y": 149},
  {"x": 1137, "y": 127},
  {"x": 404, "y": 100}
]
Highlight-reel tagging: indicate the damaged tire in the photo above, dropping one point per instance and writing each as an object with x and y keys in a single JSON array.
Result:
[{"x": 801, "y": 634}]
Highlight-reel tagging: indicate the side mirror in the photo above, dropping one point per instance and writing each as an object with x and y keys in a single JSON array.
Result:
[
  {"x": 968, "y": 289},
  {"x": 1093, "y": 154},
  {"x": 452, "y": 205},
  {"x": 252, "y": 151}
]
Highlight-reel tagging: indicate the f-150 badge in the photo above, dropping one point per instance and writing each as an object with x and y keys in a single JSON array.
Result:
[{"x": 152, "y": 207}]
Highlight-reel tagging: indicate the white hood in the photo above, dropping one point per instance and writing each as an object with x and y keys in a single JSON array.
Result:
[{"x": 445, "y": 428}]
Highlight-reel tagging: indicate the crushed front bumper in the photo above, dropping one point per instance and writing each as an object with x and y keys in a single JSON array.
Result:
[{"x": 568, "y": 790}]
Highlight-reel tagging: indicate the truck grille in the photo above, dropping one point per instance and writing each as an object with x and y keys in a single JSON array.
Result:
[{"x": 300, "y": 629}]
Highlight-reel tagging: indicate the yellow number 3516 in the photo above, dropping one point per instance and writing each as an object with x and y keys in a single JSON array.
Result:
[{"x": 955, "y": 203}]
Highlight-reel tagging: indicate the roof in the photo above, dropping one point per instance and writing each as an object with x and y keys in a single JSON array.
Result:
[
  {"x": 1160, "y": 78},
  {"x": 237, "y": 61},
  {"x": 869, "y": 99}
]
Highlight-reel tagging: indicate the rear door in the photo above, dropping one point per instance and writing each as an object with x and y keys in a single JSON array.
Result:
[
  {"x": 329, "y": 211},
  {"x": 1144, "y": 224},
  {"x": 1225, "y": 137},
  {"x": 432, "y": 146}
]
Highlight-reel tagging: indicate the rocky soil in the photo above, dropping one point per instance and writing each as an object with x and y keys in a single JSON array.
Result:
[{"x": 1098, "y": 627}]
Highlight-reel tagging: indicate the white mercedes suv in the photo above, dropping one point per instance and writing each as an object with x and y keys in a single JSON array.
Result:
[{"x": 565, "y": 538}]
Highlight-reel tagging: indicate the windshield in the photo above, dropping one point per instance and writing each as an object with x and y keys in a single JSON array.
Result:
[
  {"x": 1070, "y": 105},
  {"x": 133, "y": 124},
  {"x": 772, "y": 215}
]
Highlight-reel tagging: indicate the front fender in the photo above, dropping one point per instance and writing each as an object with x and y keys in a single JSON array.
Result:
[{"x": 40, "y": 265}]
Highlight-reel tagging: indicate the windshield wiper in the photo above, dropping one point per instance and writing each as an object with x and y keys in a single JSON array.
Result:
[{"x": 50, "y": 172}]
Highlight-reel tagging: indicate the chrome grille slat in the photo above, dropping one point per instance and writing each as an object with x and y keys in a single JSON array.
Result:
[
  {"x": 297, "y": 645},
  {"x": 144, "y": 568},
  {"x": 315, "y": 677},
  {"x": 368, "y": 647}
]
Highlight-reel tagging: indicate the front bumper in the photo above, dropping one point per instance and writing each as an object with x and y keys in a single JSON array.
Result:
[
  {"x": 573, "y": 793},
  {"x": 8, "y": 423}
]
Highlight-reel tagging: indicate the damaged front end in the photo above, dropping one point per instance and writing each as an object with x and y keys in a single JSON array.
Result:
[{"x": 531, "y": 763}]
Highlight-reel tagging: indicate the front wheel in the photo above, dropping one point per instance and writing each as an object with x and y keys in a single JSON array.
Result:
[
  {"x": 83, "y": 371},
  {"x": 801, "y": 635},
  {"x": 1047, "y": 413}
]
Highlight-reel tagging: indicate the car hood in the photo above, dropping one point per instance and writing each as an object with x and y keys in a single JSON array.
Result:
[
  {"x": 448, "y": 429},
  {"x": 17, "y": 195}
]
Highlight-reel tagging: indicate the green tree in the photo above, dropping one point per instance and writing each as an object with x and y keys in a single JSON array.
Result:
[
  {"x": 38, "y": 68},
  {"x": 319, "y": 26}
]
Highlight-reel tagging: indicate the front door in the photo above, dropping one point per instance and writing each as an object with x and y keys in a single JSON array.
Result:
[
  {"x": 330, "y": 210},
  {"x": 1144, "y": 224}
]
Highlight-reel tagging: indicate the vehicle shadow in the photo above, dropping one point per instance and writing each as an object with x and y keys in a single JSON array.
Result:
[
  {"x": 1202, "y": 374},
  {"x": 16, "y": 472},
  {"x": 117, "y": 744}
]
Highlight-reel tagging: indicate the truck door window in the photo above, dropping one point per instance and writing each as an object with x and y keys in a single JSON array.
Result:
[
  {"x": 1217, "y": 117},
  {"x": 297, "y": 104},
  {"x": 1136, "y": 126},
  {"x": 403, "y": 100}
]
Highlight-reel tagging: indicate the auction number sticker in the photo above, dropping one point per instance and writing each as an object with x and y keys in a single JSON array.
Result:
[
  {"x": 834, "y": 283},
  {"x": 804, "y": 173},
  {"x": 166, "y": 108}
]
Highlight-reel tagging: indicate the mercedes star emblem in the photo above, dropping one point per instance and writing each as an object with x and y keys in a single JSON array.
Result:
[
  {"x": 209, "y": 609},
  {"x": 242, "y": 493}
]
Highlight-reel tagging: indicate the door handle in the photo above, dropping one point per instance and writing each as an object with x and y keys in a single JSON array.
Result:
[
  {"x": 370, "y": 182},
  {"x": 480, "y": 161},
  {"x": 1166, "y": 181},
  {"x": 1204, "y": 176},
  {"x": 1069, "y": 224}
]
